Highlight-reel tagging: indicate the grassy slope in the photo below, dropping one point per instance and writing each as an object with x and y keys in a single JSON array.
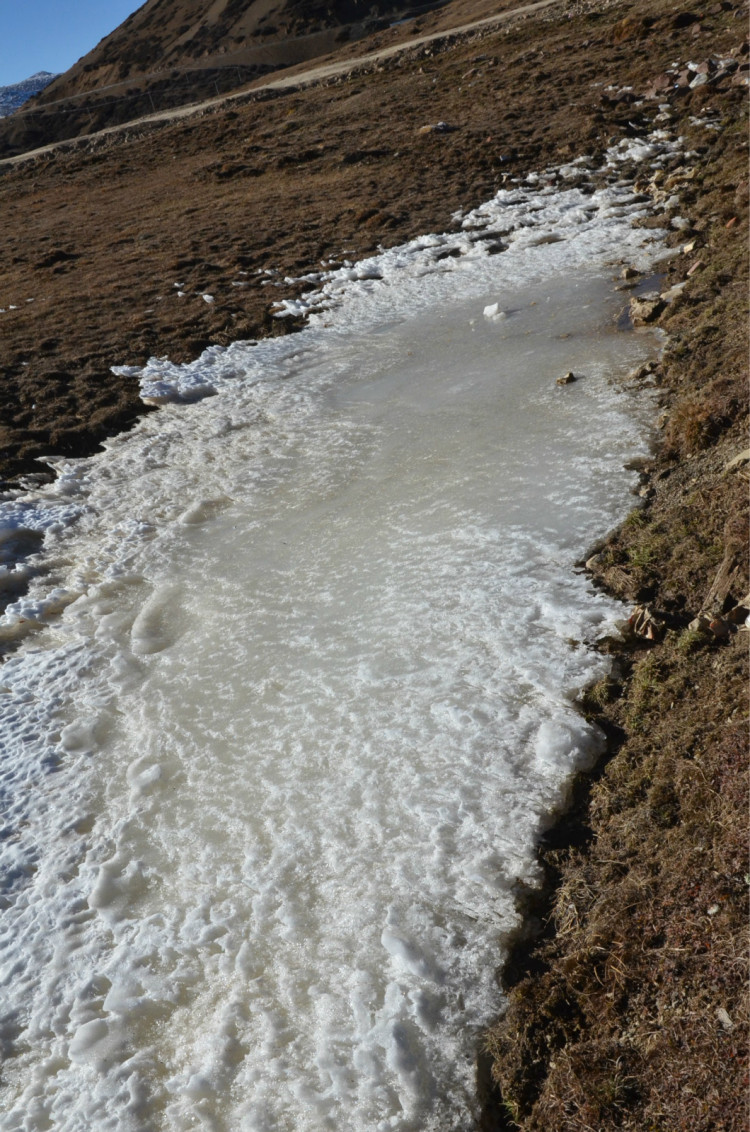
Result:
[{"x": 632, "y": 1011}]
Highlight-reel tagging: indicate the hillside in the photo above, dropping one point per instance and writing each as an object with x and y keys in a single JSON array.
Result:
[
  {"x": 172, "y": 52},
  {"x": 630, "y": 1011},
  {"x": 164, "y": 35}
]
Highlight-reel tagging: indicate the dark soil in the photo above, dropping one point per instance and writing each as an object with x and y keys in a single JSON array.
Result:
[{"x": 628, "y": 1012}]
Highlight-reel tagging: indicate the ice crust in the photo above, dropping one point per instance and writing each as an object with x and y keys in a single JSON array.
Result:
[{"x": 296, "y": 695}]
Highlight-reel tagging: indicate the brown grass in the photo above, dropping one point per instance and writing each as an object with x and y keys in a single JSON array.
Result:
[{"x": 633, "y": 1010}]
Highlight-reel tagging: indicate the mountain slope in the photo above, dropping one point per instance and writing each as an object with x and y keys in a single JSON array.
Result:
[
  {"x": 167, "y": 35},
  {"x": 171, "y": 53},
  {"x": 13, "y": 96}
]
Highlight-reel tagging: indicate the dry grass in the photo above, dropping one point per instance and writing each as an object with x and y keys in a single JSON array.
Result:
[{"x": 633, "y": 1010}]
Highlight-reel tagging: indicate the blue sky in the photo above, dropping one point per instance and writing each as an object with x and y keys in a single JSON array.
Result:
[{"x": 50, "y": 35}]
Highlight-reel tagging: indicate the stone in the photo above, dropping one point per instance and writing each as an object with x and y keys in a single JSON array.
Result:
[
  {"x": 437, "y": 128},
  {"x": 740, "y": 613},
  {"x": 640, "y": 374},
  {"x": 646, "y": 308},
  {"x": 642, "y": 623},
  {"x": 658, "y": 86},
  {"x": 699, "y": 624},
  {"x": 630, "y": 273},
  {"x": 681, "y": 223},
  {"x": 728, "y": 575},
  {"x": 567, "y": 378},
  {"x": 673, "y": 292},
  {"x": 724, "y": 1020},
  {"x": 739, "y": 461}
]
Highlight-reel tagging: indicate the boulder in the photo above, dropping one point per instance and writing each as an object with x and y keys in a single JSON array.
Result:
[{"x": 646, "y": 308}]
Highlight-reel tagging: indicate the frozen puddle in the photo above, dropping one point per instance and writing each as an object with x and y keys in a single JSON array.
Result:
[{"x": 272, "y": 780}]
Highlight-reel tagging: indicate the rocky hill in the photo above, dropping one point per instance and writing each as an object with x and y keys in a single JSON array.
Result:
[
  {"x": 172, "y": 52},
  {"x": 183, "y": 34}
]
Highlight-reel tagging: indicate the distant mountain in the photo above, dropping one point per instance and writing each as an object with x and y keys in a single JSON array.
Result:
[{"x": 11, "y": 97}]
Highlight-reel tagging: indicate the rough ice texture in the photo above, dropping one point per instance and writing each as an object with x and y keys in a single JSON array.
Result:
[{"x": 274, "y": 775}]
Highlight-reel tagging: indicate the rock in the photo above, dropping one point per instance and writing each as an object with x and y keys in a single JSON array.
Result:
[
  {"x": 642, "y": 623},
  {"x": 658, "y": 86},
  {"x": 681, "y": 223},
  {"x": 567, "y": 378},
  {"x": 690, "y": 247},
  {"x": 646, "y": 308},
  {"x": 739, "y": 461},
  {"x": 740, "y": 613},
  {"x": 673, "y": 292},
  {"x": 727, "y": 576},
  {"x": 640, "y": 374},
  {"x": 721, "y": 1014},
  {"x": 720, "y": 628},
  {"x": 437, "y": 128},
  {"x": 699, "y": 624},
  {"x": 678, "y": 178},
  {"x": 630, "y": 273}
]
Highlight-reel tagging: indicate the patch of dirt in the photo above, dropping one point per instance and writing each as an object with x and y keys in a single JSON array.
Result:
[{"x": 627, "y": 1011}]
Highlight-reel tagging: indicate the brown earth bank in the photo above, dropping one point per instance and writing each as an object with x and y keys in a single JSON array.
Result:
[{"x": 628, "y": 1007}]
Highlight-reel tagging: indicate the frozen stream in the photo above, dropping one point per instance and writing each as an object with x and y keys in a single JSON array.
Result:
[{"x": 272, "y": 779}]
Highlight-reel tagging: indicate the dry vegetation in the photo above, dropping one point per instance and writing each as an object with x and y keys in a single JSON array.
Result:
[{"x": 630, "y": 1011}]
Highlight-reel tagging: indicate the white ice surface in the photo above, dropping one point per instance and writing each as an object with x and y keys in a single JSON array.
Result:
[{"x": 273, "y": 777}]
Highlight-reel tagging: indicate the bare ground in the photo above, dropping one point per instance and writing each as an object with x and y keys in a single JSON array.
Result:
[{"x": 630, "y": 1010}]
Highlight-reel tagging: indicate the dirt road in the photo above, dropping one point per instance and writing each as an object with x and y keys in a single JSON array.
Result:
[{"x": 294, "y": 78}]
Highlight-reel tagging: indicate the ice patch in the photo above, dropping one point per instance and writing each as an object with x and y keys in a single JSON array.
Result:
[{"x": 273, "y": 779}]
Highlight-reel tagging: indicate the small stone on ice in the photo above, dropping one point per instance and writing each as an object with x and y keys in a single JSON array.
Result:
[{"x": 567, "y": 378}]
